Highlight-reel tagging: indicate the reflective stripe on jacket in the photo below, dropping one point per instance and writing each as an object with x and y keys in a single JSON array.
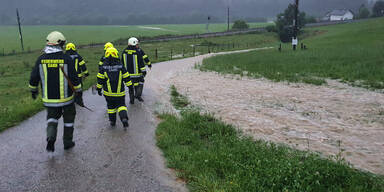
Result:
[
  {"x": 55, "y": 87},
  {"x": 111, "y": 78}
]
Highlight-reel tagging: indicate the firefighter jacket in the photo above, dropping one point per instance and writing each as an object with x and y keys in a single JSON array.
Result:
[
  {"x": 145, "y": 56},
  {"x": 102, "y": 59},
  {"x": 111, "y": 78},
  {"x": 133, "y": 62},
  {"x": 80, "y": 67},
  {"x": 56, "y": 89}
]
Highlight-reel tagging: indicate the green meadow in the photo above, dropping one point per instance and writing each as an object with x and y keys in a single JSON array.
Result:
[
  {"x": 34, "y": 36},
  {"x": 351, "y": 53}
]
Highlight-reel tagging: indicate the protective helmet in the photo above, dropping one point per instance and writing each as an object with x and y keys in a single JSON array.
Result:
[
  {"x": 111, "y": 52},
  {"x": 108, "y": 45},
  {"x": 133, "y": 41},
  {"x": 55, "y": 38},
  {"x": 70, "y": 46}
]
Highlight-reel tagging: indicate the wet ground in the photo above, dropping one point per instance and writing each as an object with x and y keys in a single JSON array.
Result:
[
  {"x": 104, "y": 158},
  {"x": 318, "y": 118},
  {"x": 333, "y": 119}
]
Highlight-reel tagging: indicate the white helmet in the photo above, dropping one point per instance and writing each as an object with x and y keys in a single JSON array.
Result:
[
  {"x": 55, "y": 38},
  {"x": 133, "y": 41}
]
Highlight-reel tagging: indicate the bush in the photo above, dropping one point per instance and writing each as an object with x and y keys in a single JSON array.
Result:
[
  {"x": 271, "y": 28},
  {"x": 378, "y": 9},
  {"x": 240, "y": 24},
  {"x": 284, "y": 23},
  {"x": 363, "y": 12}
]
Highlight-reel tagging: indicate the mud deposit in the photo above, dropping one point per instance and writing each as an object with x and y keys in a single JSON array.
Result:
[{"x": 335, "y": 119}]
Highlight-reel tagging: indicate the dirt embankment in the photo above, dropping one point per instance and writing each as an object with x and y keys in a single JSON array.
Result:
[{"x": 332, "y": 119}]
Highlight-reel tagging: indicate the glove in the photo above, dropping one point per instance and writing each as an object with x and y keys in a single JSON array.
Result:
[
  {"x": 150, "y": 66},
  {"x": 79, "y": 99},
  {"x": 99, "y": 92},
  {"x": 86, "y": 74},
  {"x": 34, "y": 94},
  {"x": 144, "y": 73}
]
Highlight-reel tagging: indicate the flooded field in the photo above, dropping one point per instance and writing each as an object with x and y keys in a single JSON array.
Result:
[{"x": 335, "y": 120}]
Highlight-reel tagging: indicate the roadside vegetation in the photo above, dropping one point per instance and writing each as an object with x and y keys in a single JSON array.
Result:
[
  {"x": 351, "y": 53},
  {"x": 210, "y": 155},
  {"x": 17, "y": 105}
]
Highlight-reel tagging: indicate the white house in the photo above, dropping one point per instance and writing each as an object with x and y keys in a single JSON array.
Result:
[{"x": 339, "y": 15}]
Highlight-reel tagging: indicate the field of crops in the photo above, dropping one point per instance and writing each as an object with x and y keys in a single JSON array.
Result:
[
  {"x": 35, "y": 35},
  {"x": 352, "y": 53}
]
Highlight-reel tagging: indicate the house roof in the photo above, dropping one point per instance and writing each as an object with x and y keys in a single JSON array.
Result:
[{"x": 339, "y": 12}]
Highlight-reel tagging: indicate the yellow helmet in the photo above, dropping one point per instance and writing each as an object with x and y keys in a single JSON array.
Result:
[
  {"x": 111, "y": 52},
  {"x": 55, "y": 38},
  {"x": 70, "y": 46},
  {"x": 108, "y": 45}
]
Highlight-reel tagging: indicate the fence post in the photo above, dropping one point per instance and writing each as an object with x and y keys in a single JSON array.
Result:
[
  {"x": 209, "y": 50},
  {"x": 194, "y": 50},
  {"x": 183, "y": 52},
  {"x": 171, "y": 53},
  {"x": 156, "y": 56}
]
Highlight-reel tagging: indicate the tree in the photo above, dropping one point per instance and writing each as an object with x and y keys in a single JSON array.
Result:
[
  {"x": 378, "y": 9},
  {"x": 284, "y": 23},
  {"x": 240, "y": 24},
  {"x": 363, "y": 12}
]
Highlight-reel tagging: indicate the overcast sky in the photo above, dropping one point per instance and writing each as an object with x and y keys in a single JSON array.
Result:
[{"x": 166, "y": 8}]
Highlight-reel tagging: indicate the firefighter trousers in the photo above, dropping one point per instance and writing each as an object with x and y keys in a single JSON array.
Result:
[
  {"x": 138, "y": 84},
  {"x": 116, "y": 105},
  {"x": 53, "y": 115}
]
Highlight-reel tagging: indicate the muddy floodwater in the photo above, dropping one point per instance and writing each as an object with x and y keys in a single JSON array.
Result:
[{"x": 334, "y": 119}]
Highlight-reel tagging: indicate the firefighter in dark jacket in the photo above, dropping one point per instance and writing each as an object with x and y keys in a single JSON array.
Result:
[
  {"x": 111, "y": 78},
  {"x": 80, "y": 66},
  {"x": 106, "y": 46},
  {"x": 133, "y": 60},
  {"x": 57, "y": 91}
]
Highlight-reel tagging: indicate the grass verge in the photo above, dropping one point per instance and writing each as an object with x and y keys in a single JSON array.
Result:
[
  {"x": 213, "y": 156},
  {"x": 349, "y": 52}
]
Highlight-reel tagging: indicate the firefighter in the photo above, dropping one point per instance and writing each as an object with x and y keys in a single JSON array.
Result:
[
  {"x": 132, "y": 59},
  {"x": 111, "y": 78},
  {"x": 80, "y": 66},
  {"x": 106, "y": 46},
  {"x": 57, "y": 91}
]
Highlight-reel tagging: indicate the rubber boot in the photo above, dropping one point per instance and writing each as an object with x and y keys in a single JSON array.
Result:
[
  {"x": 139, "y": 91},
  {"x": 50, "y": 145},
  {"x": 51, "y": 136},
  {"x": 112, "y": 119},
  {"x": 68, "y": 138},
  {"x": 131, "y": 95},
  {"x": 124, "y": 118}
]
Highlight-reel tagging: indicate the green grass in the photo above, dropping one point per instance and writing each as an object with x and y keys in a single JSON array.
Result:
[
  {"x": 178, "y": 100},
  {"x": 15, "y": 101},
  {"x": 34, "y": 36},
  {"x": 352, "y": 53},
  {"x": 213, "y": 156}
]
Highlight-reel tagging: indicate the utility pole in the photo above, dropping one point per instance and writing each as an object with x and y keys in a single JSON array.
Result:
[
  {"x": 207, "y": 27},
  {"x": 295, "y": 27},
  {"x": 21, "y": 35},
  {"x": 228, "y": 19}
]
